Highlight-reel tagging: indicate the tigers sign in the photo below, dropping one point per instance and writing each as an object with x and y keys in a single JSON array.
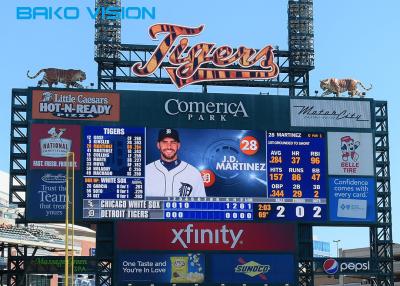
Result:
[
  {"x": 204, "y": 61},
  {"x": 78, "y": 105}
]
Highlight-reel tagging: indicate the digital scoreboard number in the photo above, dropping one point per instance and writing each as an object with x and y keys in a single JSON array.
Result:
[{"x": 296, "y": 177}]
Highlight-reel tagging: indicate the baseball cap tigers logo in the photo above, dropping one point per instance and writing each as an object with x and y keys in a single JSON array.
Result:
[{"x": 168, "y": 133}]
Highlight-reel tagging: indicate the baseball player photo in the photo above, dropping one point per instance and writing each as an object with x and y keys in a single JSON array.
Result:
[{"x": 170, "y": 176}]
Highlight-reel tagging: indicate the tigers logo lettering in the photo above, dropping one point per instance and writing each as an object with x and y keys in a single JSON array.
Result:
[
  {"x": 188, "y": 63},
  {"x": 185, "y": 190}
]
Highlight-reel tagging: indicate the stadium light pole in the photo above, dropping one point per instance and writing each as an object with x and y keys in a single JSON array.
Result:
[{"x": 337, "y": 246}]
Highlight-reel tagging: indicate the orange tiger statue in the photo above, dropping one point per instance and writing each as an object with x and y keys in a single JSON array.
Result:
[
  {"x": 54, "y": 76},
  {"x": 337, "y": 86}
]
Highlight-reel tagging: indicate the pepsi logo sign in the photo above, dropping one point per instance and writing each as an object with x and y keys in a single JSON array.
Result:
[{"x": 331, "y": 266}]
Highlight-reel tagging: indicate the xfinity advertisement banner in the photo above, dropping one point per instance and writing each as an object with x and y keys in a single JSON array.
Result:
[
  {"x": 330, "y": 113},
  {"x": 193, "y": 236},
  {"x": 160, "y": 268},
  {"x": 350, "y": 153},
  {"x": 271, "y": 269},
  {"x": 352, "y": 199}
]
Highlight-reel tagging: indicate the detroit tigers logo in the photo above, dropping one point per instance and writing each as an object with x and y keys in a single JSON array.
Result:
[{"x": 185, "y": 190}]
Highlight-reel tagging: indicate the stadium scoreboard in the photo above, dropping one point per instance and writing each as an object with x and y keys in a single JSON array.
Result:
[
  {"x": 114, "y": 181},
  {"x": 263, "y": 158}
]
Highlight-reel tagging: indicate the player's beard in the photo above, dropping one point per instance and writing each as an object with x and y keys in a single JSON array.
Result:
[{"x": 170, "y": 156}]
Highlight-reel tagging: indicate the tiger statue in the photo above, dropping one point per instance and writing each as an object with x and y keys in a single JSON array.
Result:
[
  {"x": 54, "y": 76},
  {"x": 337, "y": 86}
]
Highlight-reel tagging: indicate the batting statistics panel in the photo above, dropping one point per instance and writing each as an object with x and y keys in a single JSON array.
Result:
[{"x": 188, "y": 156}]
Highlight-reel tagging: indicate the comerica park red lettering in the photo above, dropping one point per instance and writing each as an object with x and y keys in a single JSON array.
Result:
[{"x": 204, "y": 61}]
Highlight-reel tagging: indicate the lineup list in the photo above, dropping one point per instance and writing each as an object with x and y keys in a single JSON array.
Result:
[{"x": 114, "y": 163}]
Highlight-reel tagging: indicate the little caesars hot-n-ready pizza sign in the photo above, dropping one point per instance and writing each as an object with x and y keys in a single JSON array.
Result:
[{"x": 78, "y": 105}]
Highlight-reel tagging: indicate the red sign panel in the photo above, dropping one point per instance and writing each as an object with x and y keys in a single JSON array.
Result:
[
  {"x": 81, "y": 105},
  {"x": 205, "y": 236},
  {"x": 50, "y": 144}
]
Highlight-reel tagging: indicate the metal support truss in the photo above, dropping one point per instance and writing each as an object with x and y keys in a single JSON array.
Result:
[
  {"x": 381, "y": 234},
  {"x": 301, "y": 44},
  {"x": 18, "y": 147},
  {"x": 15, "y": 265},
  {"x": 17, "y": 183},
  {"x": 305, "y": 253},
  {"x": 104, "y": 253},
  {"x": 107, "y": 40},
  {"x": 115, "y": 59}
]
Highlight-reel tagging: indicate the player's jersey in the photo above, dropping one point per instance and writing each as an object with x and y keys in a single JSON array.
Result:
[{"x": 182, "y": 181}]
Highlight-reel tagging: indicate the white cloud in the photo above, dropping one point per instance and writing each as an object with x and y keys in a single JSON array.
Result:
[{"x": 4, "y": 183}]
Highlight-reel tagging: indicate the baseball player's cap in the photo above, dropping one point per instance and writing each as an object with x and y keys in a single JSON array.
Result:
[{"x": 168, "y": 133}]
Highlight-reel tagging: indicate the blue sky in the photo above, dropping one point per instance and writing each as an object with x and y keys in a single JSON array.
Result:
[{"x": 353, "y": 38}]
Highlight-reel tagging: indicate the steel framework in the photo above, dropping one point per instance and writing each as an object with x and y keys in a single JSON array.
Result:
[
  {"x": 381, "y": 234},
  {"x": 114, "y": 61}
]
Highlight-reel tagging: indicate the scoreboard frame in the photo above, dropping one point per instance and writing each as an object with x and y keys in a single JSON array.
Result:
[{"x": 239, "y": 112}]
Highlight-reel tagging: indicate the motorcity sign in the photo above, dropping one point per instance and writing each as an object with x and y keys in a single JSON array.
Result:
[
  {"x": 204, "y": 62},
  {"x": 332, "y": 266},
  {"x": 204, "y": 236},
  {"x": 330, "y": 113}
]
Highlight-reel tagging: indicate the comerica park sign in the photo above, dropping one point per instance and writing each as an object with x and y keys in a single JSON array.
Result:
[{"x": 204, "y": 62}]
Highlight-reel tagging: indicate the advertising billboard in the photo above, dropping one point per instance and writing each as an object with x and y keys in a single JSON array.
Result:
[
  {"x": 160, "y": 268},
  {"x": 47, "y": 195},
  {"x": 271, "y": 269},
  {"x": 56, "y": 265},
  {"x": 330, "y": 113},
  {"x": 195, "y": 267},
  {"x": 50, "y": 144},
  {"x": 340, "y": 266},
  {"x": 350, "y": 153},
  {"x": 75, "y": 105},
  {"x": 352, "y": 199},
  {"x": 205, "y": 236},
  {"x": 185, "y": 157}
]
